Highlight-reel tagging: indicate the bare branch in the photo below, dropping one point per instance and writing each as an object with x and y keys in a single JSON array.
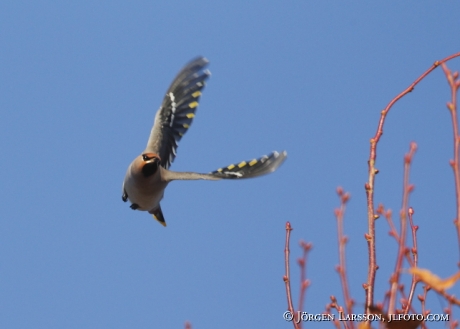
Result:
[
  {"x": 341, "y": 268},
  {"x": 454, "y": 83},
  {"x": 304, "y": 282},
  {"x": 407, "y": 189},
  {"x": 287, "y": 279},
  {"x": 369, "y": 186},
  {"x": 414, "y": 251}
]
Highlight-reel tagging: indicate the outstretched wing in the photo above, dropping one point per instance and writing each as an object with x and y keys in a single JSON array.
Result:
[
  {"x": 177, "y": 110},
  {"x": 244, "y": 169},
  {"x": 253, "y": 168}
]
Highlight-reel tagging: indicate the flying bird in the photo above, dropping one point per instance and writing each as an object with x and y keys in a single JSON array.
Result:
[{"x": 148, "y": 175}]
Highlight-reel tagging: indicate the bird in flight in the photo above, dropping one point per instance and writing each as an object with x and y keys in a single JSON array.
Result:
[{"x": 148, "y": 175}]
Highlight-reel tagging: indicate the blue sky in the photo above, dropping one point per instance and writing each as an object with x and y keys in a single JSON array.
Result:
[{"x": 80, "y": 83}]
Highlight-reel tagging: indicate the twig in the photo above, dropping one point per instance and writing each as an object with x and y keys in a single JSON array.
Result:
[
  {"x": 369, "y": 186},
  {"x": 393, "y": 232},
  {"x": 340, "y": 312},
  {"x": 448, "y": 311},
  {"x": 341, "y": 268},
  {"x": 422, "y": 299},
  {"x": 388, "y": 216},
  {"x": 454, "y": 84},
  {"x": 286, "y": 277},
  {"x": 407, "y": 189},
  {"x": 304, "y": 282},
  {"x": 450, "y": 298},
  {"x": 414, "y": 250}
]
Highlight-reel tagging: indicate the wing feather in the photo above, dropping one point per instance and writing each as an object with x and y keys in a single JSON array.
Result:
[
  {"x": 177, "y": 111},
  {"x": 251, "y": 168}
]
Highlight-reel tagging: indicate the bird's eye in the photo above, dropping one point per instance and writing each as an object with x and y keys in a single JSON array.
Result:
[{"x": 145, "y": 157}]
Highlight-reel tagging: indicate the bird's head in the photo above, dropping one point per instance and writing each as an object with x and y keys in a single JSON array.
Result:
[{"x": 147, "y": 163}]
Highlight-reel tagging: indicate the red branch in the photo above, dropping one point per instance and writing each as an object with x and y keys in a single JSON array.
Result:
[
  {"x": 341, "y": 268},
  {"x": 422, "y": 299},
  {"x": 450, "y": 298},
  {"x": 369, "y": 186},
  {"x": 407, "y": 189},
  {"x": 414, "y": 251},
  {"x": 334, "y": 305},
  {"x": 454, "y": 84},
  {"x": 304, "y": 282},
  {"x": 287, "y": 279},
  {"x": 448, "y": 311}
]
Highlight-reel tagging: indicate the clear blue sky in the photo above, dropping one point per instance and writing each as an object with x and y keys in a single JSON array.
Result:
[{"x": 80, "y": 83}]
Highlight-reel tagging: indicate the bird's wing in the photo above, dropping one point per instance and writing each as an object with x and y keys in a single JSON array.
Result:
[
  {"x": 253, "y": 168},
  {"x": 177, "y": 110},
  {"x": 244, "y": 169}
]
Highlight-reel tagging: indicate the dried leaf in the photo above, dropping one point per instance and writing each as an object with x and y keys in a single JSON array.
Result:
[{"x": 433, "y": 280}]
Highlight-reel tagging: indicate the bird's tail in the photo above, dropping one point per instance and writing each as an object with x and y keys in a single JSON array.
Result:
[{"x": 158, "y": 215}]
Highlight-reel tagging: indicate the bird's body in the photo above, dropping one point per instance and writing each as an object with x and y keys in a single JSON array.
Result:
[
  {"x": 144, "y": 191},
  {"x": 148, "y": 175}
]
